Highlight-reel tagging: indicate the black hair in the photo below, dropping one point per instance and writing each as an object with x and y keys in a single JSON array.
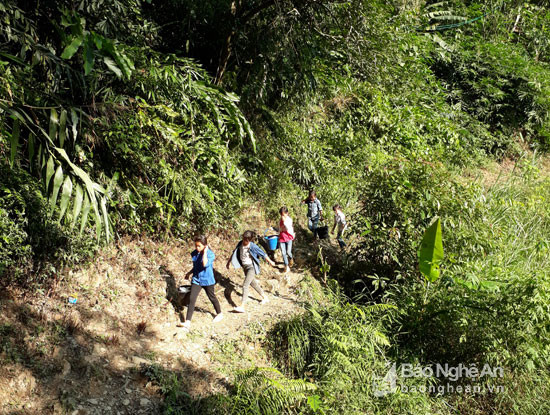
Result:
[
  {"x": 249, "y": 235},
  {"x": 337, "y": 206},
  {"x": 312, "y": 193},
  {"x": 283, "y": 210},
  {"x": 201, "y": 238}
]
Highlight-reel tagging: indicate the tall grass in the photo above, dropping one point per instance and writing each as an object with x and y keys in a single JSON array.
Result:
[{"x": 492, "y": 304}]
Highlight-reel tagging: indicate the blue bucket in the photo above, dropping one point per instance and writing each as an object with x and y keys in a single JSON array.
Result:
[{"x": 272, "y": 242}]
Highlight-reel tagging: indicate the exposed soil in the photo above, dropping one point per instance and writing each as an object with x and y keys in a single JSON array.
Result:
[{"x": 84, "y": 358}]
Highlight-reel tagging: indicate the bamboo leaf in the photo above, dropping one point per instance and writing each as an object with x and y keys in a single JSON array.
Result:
[
  {"x": 41, "y": 159},
  {"x": 14, "y": 142},
  {"x": 112, "y": 66},
  {"x": 49, "y": 172},
  {"x": 105, "y": 218},
  {"x": 53, "y": 125},
  {"x": 62, "y": 127},
  {"x": 128, "y": 61},
  {"x": 97, "y": 217},
  {"x": 250, "y": 133},
  {"x": 17, "y": 114},
  {"x": 32, "y": 149},
  {"x": 90, "y": 185},
  {"x": 232, "y": 110},
  {"x": 74, "y": 119},
  {"x": 13, "y": 58},
  {"x": 232, "y": 97},
  {"x": 122, "y": 64},
  {"x": 65, "y": 195},
  {"x": 85, "y": 212},
  {"x": 431, "y": 251},
  {"x": 71, "y": 49},
  {"x": 91, "y": 188},
  {"x": 77, "y": 207},
  {"x": 57, "y": 181}
]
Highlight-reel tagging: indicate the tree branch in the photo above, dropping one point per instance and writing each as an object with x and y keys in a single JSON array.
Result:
[{"x": 244, "y": 15}]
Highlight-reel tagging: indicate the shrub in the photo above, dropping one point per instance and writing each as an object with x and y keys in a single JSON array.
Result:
[{"x": 32, "y": 242}]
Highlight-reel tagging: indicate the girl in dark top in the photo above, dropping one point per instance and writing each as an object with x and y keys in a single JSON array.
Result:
[
  {"x": 203, "y": 277},
  {"x": 314, "y": 212}
]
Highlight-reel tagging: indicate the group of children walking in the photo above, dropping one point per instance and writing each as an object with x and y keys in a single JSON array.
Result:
[{"x": 247, "y": 255}]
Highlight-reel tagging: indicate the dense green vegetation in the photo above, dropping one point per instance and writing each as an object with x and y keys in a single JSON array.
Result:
[{"x": 130, "y": 117}]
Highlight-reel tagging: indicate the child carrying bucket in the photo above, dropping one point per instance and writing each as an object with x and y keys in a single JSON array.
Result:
[
  {"x": 247, "y": 255},
  {"x": 286, "y": 236},
  {"x": 314, "y": 212}
]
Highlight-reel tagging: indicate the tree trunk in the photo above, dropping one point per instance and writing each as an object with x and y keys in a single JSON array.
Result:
[
  {"x": 515, "y": 29},
  {"x": 224, "y": 58}
]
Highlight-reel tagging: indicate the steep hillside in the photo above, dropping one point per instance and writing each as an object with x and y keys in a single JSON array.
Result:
[
  {"x": 93, "y": 356},
  {"x": 130, "y": 127}
]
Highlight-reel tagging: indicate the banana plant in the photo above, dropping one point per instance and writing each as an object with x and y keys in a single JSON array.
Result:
[
  {"x": 441, "y": 15},
  {"x": 430, "y": 254}
]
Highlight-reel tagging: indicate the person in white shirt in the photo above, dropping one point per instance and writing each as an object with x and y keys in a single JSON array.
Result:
[
  {"x": 340, "y": 222},
  {"x": 247, "y": 255},
  {"x": 286, "y": 236}
]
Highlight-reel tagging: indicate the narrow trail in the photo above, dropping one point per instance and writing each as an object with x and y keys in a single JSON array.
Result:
[{"x": 85, "y": 358}]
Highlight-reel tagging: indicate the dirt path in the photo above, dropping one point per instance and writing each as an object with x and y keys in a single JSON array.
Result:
[{"x": 85, "y": 358}]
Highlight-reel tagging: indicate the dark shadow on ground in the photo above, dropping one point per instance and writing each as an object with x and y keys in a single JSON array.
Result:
[
  {"x": 179, "y": 301},
  {"x": 63, "y": 390},
  {"x": 172, "y": 293},
  {"x": 228, "y": 286}
]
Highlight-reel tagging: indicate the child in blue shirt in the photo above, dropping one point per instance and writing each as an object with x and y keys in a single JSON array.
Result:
[{"x": 203, "y": 278}]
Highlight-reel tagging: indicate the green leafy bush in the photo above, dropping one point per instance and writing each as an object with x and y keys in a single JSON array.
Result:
[
  {"x": 491, "y": 304},
  {"x": 398, "y": 200},
  {"x": 500, "y": 86},
  {"x": 255, "y": 391},
  {"x": 342, "y": 348},
  {"x": 33, "y": 243}
]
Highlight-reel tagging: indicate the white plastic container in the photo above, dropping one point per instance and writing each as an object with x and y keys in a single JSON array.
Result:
[{"x": 184, "y": 289}]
